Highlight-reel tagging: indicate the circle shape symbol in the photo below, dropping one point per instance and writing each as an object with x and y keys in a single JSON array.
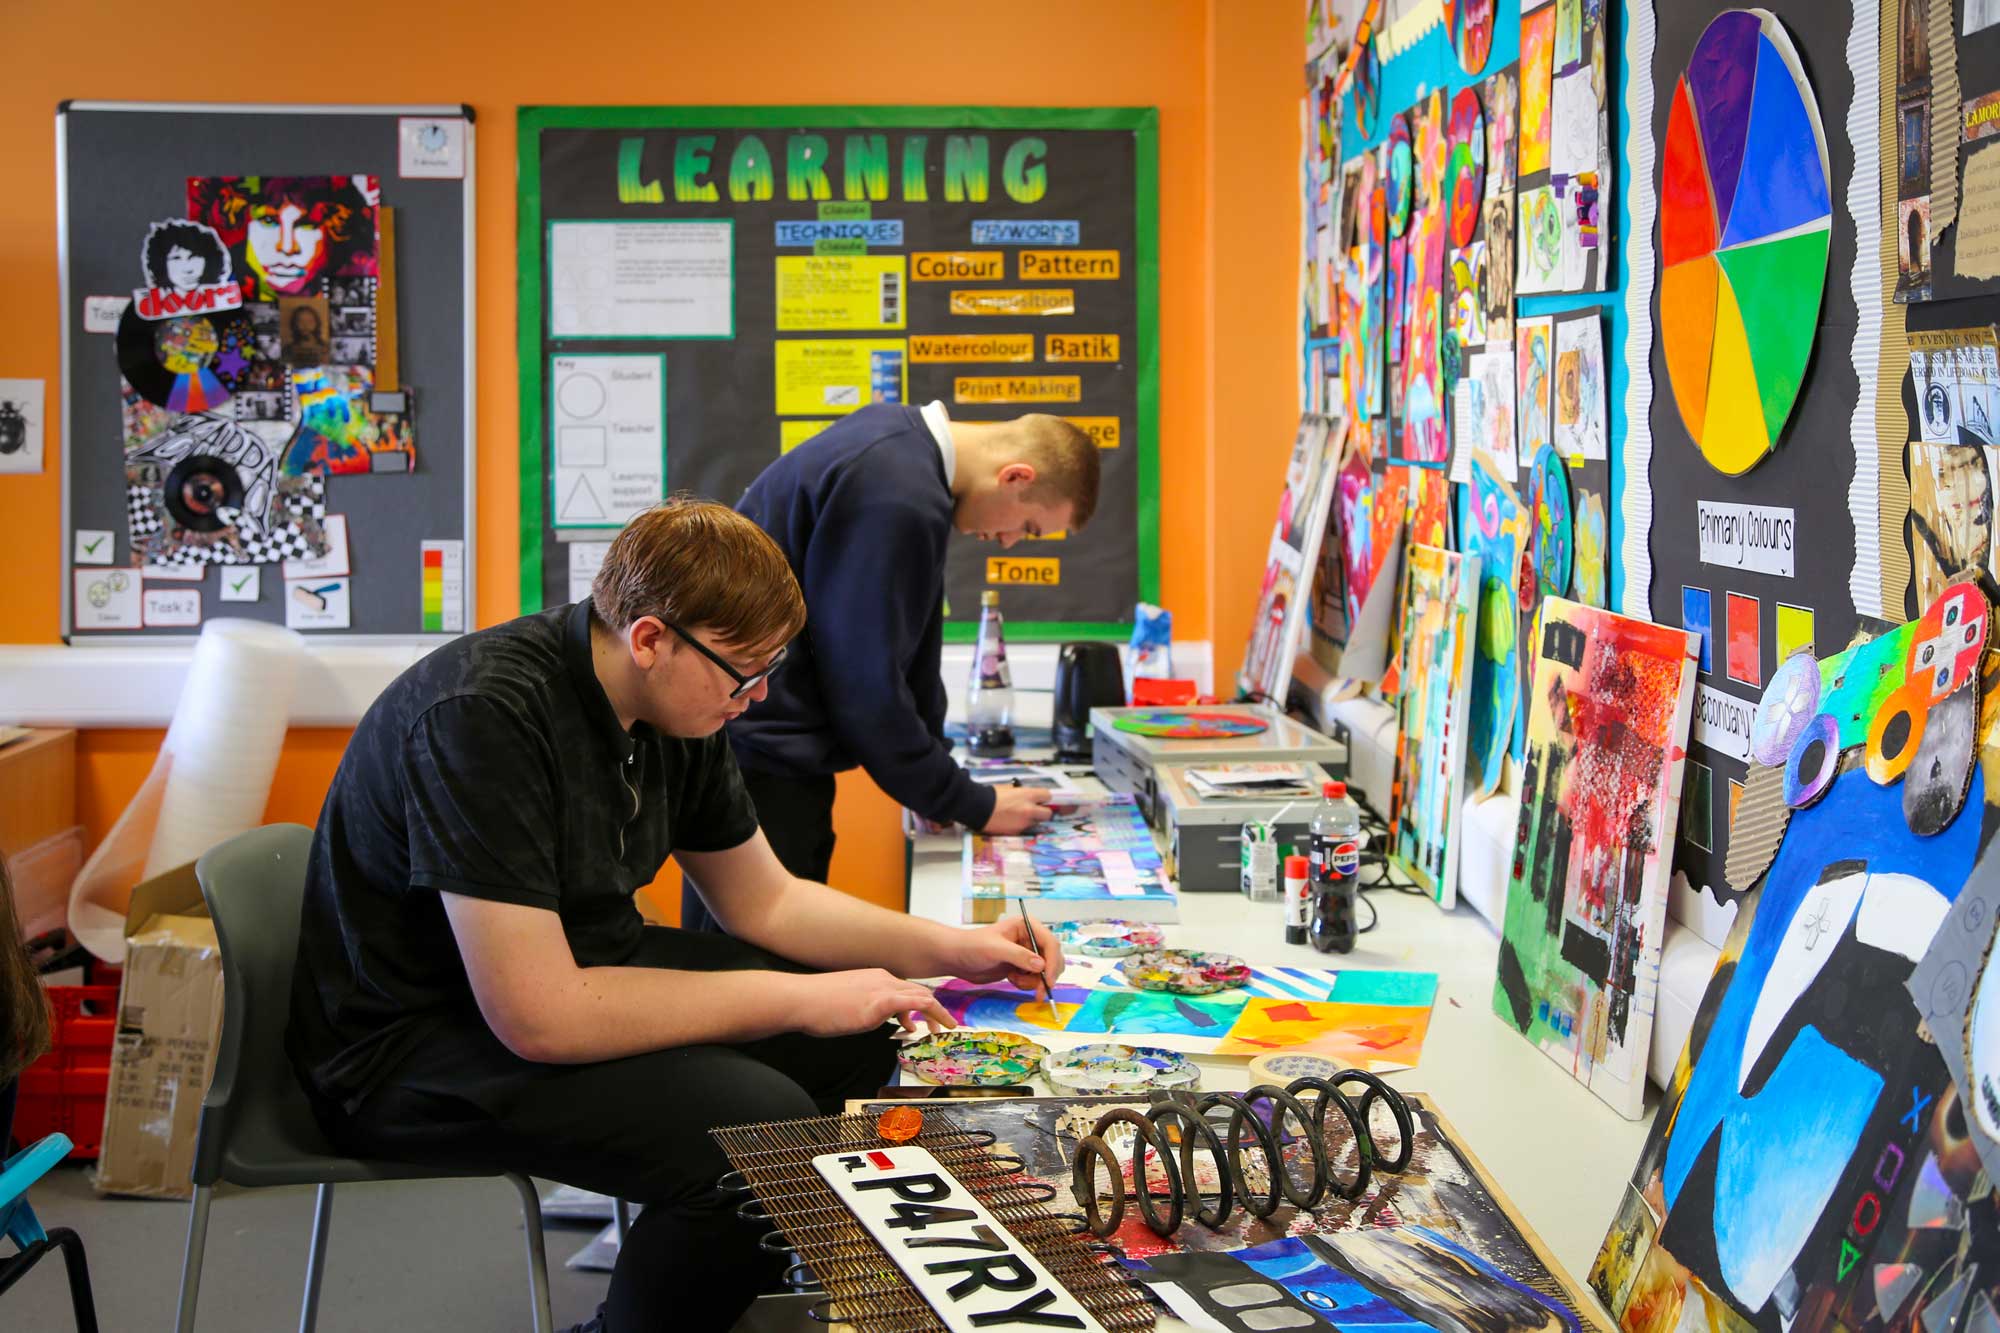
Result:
[{"x": 1746, "y": 217}]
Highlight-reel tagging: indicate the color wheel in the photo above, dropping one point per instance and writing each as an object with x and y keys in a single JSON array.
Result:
[{"x": 1745, "y": 219}]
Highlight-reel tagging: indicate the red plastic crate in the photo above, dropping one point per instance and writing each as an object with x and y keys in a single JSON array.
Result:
[{"x": 64, "y": 1091}]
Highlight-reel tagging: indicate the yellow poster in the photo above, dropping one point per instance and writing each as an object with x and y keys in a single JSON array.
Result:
[
  {"x": 821, "y": 376},
  {"x": 839, "y": 292},
  {"x": 1103, "y": 431},
  {"x": 1017, "y": 389},
  {"x": 792, "y": 434},
  {"x": 1040, "y": 301},
  {"x": 972, "y": 347}
]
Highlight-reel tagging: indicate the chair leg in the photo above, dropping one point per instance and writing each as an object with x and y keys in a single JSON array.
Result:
[
  {"x": 538, "y": 1259},
  {"x": 82, "y": 1303},
  {"x": 621, "y": 1216},
  {"x": 316, "y": 1258},
  {"x": 197, "y": 1245}
]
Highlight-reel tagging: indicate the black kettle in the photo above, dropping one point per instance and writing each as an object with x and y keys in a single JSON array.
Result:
[{"x": 1088, "y": 675}]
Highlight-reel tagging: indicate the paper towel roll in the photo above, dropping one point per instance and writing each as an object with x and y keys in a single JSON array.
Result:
[{"x": 212, "y": 778}]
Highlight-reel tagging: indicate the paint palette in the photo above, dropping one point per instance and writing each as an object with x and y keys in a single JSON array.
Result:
[
  {"x": 1185, "y": 971},
  {"x": 973, "y": 1059},
  {"x": 1745, "y": 221},
  {"x": 1173, "y": 724},
  {"x": 1113, "y": 1067},
  {"x": 1108, "y": 939}
]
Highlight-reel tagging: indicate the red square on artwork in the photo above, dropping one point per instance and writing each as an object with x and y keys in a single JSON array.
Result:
[{"x": 1746, "y": 658}]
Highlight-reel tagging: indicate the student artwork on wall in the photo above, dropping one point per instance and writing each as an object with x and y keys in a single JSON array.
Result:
[
  {"x": 1610, "y": 701},
  {"x": 1328, "y": 200},
  {"x": 1440, "y": 618},
  {"x": 1745, "y": 221},
  {"x": 1398, "y": 174},
  {"x": 1423, "y": 429},
  {"x": 1497, "y": 534},
  {"x": 1813, "y": 1166},
  {"x": 1278, "y": 633},
  {"x": 1579, "y": 432},
  {"x": 1360, "y": 560},
  {"x": 1565, "y": 159},
  {"x": 1500, "y": 96}
]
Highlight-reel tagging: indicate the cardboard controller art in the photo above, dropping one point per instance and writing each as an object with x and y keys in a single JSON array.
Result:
[{"x": 1815, "y": 1165}]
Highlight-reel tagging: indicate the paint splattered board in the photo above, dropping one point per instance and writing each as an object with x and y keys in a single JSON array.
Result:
[
  {"x": 1437, "y": 1246},
  {"x": 1374, "y": 1020},
  {"x": 1587, "y": 893}
]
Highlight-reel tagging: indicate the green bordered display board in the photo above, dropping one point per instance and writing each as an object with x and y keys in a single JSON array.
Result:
[{"x": 703, "y": 288}]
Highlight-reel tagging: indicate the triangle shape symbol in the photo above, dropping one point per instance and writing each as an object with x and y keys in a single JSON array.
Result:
[{"x": 582, "y": 504}]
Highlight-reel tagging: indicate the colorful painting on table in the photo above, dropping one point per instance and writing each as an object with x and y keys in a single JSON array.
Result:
[
  {"x": 1095, "y": 859},
  {"x": 1440, "y": 617},
  {"x": 1366, "y": 1019},
  {"x": 1813, "y": 1166},
  {"x": 1610, "y": 700}
]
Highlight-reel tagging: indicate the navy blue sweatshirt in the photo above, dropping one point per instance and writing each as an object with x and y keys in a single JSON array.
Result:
[{"x": 863, "y": 511}]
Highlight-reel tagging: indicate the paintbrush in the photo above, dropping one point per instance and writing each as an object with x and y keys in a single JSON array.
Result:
[{"x": 1055, "y": 1019}]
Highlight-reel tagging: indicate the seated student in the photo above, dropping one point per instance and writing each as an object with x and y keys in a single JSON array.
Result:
[
  {"x": 864, "y": 511},
  {"x": 475, "y": 986}
]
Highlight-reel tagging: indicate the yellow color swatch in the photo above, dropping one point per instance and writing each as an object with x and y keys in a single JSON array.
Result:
[{"x": 1732, "y": 437}]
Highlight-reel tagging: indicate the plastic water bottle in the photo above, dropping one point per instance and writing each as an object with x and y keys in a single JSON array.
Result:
[
  {"x": 989, "y": 689},
  {"x": 1336, "y": 869}
]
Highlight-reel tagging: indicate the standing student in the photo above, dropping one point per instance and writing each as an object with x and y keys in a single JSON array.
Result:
[
  {"x": 474, "y": 984},
  {"x": 863, "y": 512}
]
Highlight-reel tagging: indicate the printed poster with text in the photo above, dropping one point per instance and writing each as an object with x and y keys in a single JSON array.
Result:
[{"x": 712, "y": 290}]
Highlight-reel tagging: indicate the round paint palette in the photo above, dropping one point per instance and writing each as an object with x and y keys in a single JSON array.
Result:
[
  {"x": 1283, "y": 1067},
  {"x": 973, "y": 1059},
  {"x": 1108, "y": 939},
  {"x": 1111, "y": 1067},
  {"x": 1185, "y": 971},
  {"x": 1182, "y": 725}
]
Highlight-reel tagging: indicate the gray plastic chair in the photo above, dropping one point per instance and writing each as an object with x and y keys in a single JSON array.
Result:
[{"x": 256, "y": 1128}]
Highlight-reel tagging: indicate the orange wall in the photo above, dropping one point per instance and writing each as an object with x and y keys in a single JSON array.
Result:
[{"x": 1226, "y": 179}]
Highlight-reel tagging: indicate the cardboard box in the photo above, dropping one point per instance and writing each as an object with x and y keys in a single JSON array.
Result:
[{"x": 169, "y": 1023}]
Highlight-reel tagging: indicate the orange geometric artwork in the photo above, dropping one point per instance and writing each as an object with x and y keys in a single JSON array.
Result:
[{"x": 1375, "y": 1037}]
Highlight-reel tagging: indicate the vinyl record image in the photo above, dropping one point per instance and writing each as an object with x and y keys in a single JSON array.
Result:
[
  {"x": 190, "y": 364},
  {"x": 206, "y": 490},
  {"x": 199, "y": 488}
]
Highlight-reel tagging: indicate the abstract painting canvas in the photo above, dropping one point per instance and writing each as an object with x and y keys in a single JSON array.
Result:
[
  {"x": 1609, "y": 707},
  {"x": 1496, "y": 533},
  {"x": 1363, "y": 1018},
  {"x": 1278, "y": 631},
  {"x": 1813, "y": 1166},
  {"x": 1439, "y": 620}
]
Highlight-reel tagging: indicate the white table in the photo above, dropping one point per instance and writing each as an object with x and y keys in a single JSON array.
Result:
[{"x": 1561, "y": 1155}]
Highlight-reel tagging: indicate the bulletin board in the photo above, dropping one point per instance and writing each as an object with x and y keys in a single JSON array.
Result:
[
  {"x": 393, "y": 282},
  {"x": 1755, "y": 559},
  {"x": 703, "y": 288}
]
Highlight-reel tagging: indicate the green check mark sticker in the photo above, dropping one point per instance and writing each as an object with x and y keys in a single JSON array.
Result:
[
  {"x": 90, "y": 548},
  {"x": 238, "y": 586}
]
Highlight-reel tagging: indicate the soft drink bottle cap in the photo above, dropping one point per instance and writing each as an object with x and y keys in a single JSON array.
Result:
[{"x": 1334, "y": 791}]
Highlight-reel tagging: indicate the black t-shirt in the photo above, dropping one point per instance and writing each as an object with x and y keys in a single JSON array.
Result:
[{"x": 494, "y": 768}]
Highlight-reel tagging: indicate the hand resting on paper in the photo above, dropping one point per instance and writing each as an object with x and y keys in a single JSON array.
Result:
[
  {"x": 1017, "y": 809},
  {"x": 1004, "y": 950}
]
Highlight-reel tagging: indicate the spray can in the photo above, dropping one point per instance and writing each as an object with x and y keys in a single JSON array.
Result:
[{"x": 1298, "y": 898}]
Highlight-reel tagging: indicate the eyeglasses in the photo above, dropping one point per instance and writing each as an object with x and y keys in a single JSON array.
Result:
[{"x": 744, "y": 684}]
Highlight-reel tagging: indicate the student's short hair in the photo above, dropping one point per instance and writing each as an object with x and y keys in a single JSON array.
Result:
[
  {"x": 1065, "y": 461},
  {"x": 700, "y": 564}
]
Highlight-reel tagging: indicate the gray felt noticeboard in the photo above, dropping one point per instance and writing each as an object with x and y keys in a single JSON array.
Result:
[{"x": 122, "y": 166}]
